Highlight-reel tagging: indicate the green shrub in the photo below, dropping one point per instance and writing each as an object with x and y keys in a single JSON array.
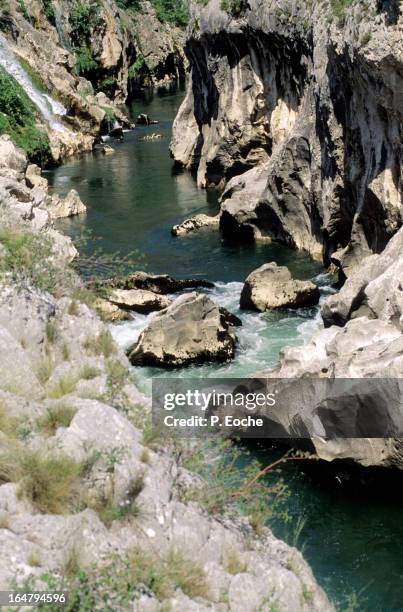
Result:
[
  {"x": 85, "y": 61},
  {"x": 137, "y": 67},
  {"x": 49, "y": 11},
  {"x": 18, "y": 117}
]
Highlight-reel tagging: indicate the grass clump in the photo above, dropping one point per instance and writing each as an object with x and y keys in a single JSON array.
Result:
[
  {"x": 128, "y": 508},
  {"x": 56, "y": 416},
  {"x": 64, "y": 386},
  {"x": 8, "y": 423},
  {"x": 45, "y": 369},
  {"x": 50, "y": 481},
  {"x": 233, "y": 563},
  {"x": 102, "y": 344},
  {"x": 89, "y": 372},
  {"x": 18, "y": 119}
]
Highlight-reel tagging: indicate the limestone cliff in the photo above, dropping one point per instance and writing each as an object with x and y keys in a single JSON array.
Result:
[{"x": 296, "y": 108}]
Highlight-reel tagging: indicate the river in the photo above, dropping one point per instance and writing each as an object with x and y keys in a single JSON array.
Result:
[{"x": 350, "y": 536}]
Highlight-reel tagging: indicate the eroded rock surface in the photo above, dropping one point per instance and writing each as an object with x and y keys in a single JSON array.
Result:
[
  {"x": 192, "y": 330},
  {"x": 139, "y": 300},
  {"x": 297, "y": 110}
]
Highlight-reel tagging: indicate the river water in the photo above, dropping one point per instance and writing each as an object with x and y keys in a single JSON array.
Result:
[{"x": 351, "y": 539}]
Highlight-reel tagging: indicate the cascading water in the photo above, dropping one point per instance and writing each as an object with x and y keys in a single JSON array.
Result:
[{"x": 47, "y": 106}]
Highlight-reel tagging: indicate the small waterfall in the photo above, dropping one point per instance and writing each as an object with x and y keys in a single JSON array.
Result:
[{"x": 47, "y": 106}]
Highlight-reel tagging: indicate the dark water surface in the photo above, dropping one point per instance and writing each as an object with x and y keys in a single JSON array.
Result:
[{"x": 353, "y": 539}]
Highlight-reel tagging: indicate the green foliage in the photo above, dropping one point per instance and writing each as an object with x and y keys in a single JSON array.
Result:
[
  {"x": 84, "y": 18},
  {"x": 133, "y": 5},
  {"x": 17, "y": 118},
  {"x": 85, "y": 61},
  {"x": 64, "y": 386},
  {"x": 24, "y": 10},
  {"x": 339, "y": 8},
  {"x": 232, "y": 6},
  {"x": 137, "y": 67},
  {"x": 175, "y": 12},
  {"x": 28, "y": 257},
  {"x": 49, "y": 11}
]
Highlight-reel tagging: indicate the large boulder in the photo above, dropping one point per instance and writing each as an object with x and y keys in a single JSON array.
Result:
[
  {"x": 139, "y": 300},
  {"x": 192, "y": 330},
  {"x": 271, "y": 286}
]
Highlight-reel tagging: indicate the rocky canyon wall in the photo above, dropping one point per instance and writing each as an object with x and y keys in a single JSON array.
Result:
[
  {"x": 91, "y": 56},
  {"x": 295, "y": 109}
]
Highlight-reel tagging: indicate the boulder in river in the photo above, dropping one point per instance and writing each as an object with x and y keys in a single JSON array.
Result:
[
  {"x": 195, "y": 223},
  {"x": 65, "y": 207},
  {"x": 192, "y": 330},
  {"x": 144, "y": 119},
  {"x": 116, "y": 131},
  {"x": 271, "y": 286},
  {"x": 158, "y": 283},
  {"x": 139, "y": 300}
]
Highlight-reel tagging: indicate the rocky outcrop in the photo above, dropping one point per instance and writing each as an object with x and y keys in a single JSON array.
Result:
[
  {"x": 192, "y": 330},
  {"x": 376, "y": 287},
  {"x": 139, "y": 300},
  {"x": 157, "y": 283},
  {"x": 195, "y": 223},
  {"x": 69, "y": 206},
  {"x": 357, "y": 346},
  {"x": 296, "y": 109},
  {"x": 271, "y": 286}
]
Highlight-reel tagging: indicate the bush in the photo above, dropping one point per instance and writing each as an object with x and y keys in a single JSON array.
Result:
[
  {"x": 85, "y": 61},
  {"x": 17, "y": 118}
]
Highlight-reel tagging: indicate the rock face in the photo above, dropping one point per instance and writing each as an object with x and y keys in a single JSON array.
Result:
[
  {"x": 363, "y": 348},
  {"x": 192, "y": 330},
  {"x": 271, "y": 286},
  {"x": 139, "y": 300},
  {"x": 194, "y": 224},
  {"x": 295, "y": 108}
]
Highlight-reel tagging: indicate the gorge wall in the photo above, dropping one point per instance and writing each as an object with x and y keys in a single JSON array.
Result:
[{"x": 296, "y": 110}]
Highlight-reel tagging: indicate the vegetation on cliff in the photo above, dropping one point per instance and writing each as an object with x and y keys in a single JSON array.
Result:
[{"x": 18, "y": 119}]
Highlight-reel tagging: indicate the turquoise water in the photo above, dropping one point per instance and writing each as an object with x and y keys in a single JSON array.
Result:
[{"x": 351, "y": 535}]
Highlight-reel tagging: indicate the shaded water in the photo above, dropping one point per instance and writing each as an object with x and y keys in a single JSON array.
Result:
[{"x": 350, "y": 538}]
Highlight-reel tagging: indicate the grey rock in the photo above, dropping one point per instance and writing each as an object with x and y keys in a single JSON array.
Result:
[
  {"x": 194, "y": 224},
  {"x": 271, "y": 286},
  {"x": 157, "y": 283},
  {"x": 139, "y": 300},
  {"x": 192, "y": 330}
]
